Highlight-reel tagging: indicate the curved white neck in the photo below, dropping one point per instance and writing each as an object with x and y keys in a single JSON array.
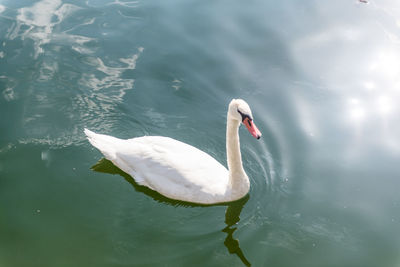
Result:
[{"x": 238, "y": 178}]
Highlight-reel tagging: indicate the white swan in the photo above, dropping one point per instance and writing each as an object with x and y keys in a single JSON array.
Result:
[{"x": 180, "y": 171}]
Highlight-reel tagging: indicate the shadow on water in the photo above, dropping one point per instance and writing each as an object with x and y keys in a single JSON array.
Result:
[{"x": 232, "y": 215}]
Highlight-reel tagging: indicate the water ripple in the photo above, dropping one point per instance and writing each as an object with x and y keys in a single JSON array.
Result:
[
  {"x": 94, "y": 105},
  {"x": 66, "y": 56}
]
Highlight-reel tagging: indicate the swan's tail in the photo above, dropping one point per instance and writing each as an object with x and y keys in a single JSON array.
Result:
[{"x": 105, "y": 143}]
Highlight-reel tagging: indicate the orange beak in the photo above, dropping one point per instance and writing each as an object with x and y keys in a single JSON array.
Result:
[{"x": 252, "y": 128}]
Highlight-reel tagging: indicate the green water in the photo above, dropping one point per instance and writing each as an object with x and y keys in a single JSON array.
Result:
[{"x": 322, "y": 79}]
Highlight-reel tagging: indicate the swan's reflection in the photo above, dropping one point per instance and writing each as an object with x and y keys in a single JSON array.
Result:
[{"x": 232, "y": 215}]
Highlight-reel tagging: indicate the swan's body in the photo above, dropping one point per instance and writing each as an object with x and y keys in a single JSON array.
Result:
[{"x": 178, "y": 170}]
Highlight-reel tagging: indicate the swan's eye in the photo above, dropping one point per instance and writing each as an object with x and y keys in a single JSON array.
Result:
[{"x": 244, "y": 116}]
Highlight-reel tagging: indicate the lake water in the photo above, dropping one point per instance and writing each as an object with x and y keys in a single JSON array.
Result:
[{"x": 322, "y": 79}]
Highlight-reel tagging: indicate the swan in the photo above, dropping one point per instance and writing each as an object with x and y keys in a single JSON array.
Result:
[{"x": 180, "y": 171}]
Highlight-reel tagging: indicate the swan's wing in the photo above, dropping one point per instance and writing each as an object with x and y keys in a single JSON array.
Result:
[{"x": 173, "y": 168}]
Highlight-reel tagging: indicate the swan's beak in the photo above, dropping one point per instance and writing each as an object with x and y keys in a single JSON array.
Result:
[{"x": 252, "y": 128}]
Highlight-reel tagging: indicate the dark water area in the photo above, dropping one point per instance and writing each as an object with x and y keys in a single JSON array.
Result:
[{"x": 322, "y": 79}]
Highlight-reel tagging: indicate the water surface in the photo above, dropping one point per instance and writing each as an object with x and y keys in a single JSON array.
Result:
[{"x": 323, "y": 82}]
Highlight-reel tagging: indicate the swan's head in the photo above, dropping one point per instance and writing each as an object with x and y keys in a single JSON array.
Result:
[{"x": 239, "y": 110}]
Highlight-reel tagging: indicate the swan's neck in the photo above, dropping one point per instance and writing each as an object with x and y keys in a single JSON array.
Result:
[{"x": 237, "y": 176}]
